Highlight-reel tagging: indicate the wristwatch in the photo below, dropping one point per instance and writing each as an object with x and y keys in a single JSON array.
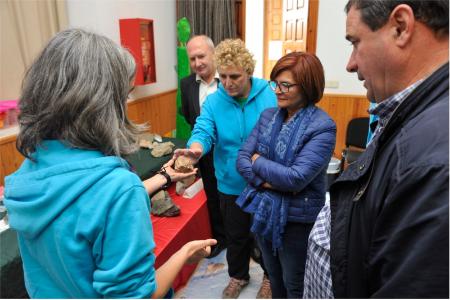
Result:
[{"x": 169, "y": 181}]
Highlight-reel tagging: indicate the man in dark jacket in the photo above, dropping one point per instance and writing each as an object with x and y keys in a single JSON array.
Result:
[
  {"x": 194, "y": 89},
  {"x": 389, "y": 210}
]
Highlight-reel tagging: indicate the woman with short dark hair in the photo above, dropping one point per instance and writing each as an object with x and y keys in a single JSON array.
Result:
[{"x": 284, "y": 162}]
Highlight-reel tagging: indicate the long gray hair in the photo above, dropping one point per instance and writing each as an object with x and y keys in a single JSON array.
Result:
[{"x": 76, "y": 91}]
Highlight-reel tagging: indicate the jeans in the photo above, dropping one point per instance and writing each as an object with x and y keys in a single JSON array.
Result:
[{"x": 287, "y": 267}]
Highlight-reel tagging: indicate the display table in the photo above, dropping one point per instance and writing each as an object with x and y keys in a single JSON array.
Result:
[
  {"x": 171, "y": 233},
  {"x": 146, "y": 165}
]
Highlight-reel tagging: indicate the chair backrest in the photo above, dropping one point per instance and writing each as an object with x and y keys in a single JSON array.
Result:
[{"x": 357, "y": 131}]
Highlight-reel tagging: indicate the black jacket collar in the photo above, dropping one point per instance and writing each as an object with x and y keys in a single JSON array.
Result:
[{"x": 423, "y": 96}]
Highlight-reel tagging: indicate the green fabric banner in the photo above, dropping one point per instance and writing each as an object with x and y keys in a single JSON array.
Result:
[{"x": 183, "y": 130}]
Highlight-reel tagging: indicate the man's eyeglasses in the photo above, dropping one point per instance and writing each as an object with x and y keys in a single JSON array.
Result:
[{"x": 283, "y": 86}]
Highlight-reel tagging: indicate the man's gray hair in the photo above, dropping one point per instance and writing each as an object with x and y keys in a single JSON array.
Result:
[
  {"x": 76, "y": 92},
  {"x": 375, "y": 13}
]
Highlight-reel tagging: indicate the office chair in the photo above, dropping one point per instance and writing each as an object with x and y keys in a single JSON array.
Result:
[{"x": 355, "y": 140}]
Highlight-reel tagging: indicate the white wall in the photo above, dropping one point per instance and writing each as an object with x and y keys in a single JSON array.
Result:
[
  {"x": 334, "y": 50},
  {"x": 102, "y": 16},
  {"x": 254, "y": 33}
]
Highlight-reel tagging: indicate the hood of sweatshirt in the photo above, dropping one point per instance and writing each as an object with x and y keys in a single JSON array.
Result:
[{"x": 42, "y": 189}]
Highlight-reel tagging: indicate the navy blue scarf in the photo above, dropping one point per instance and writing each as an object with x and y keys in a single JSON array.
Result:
[{"x": 270, "y": 207}]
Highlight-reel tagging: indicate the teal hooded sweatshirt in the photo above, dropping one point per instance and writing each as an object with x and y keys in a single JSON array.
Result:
[
  {"x": 224, "y": 124},
  {"x": 83, "y": 225}
]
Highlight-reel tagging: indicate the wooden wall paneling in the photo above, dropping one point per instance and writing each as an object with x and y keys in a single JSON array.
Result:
[
  {"x": 158, "y": 110},
  {"x": 10, "y": 158},
  {"x": 343, "y": 108}
]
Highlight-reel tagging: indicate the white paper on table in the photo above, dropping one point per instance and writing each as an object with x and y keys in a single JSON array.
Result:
[{"x": 193, "y": 190}]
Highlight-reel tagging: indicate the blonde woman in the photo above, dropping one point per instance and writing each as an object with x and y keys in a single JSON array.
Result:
[{"x": 226, "y": 120}]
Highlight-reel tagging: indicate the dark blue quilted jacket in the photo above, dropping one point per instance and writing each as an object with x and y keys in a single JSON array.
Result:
[{"x": 304, "y": 181}]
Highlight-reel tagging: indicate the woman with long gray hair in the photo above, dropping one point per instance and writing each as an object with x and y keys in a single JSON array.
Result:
[{"x": 81, "y": 215}]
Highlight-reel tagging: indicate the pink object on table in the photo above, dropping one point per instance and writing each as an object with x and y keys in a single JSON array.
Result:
[
  {"x": 1, "y": 190},
  {"x": 8, "y": 104},
  {"x": 8, "y": 113}
]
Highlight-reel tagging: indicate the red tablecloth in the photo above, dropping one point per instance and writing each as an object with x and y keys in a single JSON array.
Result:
[{"x": 172, "y": 233}]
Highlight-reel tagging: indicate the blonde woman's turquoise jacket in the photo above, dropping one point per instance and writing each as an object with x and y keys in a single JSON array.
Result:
[{"x": 225, "y": 124}]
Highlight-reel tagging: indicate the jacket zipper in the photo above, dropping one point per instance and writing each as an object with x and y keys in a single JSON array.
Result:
[
  {"x": 243, "y": 125},
  {"x": 362, "y": 190}
]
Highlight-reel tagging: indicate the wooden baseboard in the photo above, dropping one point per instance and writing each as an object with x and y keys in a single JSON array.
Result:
[
  {"x": 159, "y": 111},
  {"x": 343, "y": 108}
]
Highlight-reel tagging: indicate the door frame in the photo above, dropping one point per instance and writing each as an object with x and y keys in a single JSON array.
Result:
[{"x": 311, "y": 39}]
